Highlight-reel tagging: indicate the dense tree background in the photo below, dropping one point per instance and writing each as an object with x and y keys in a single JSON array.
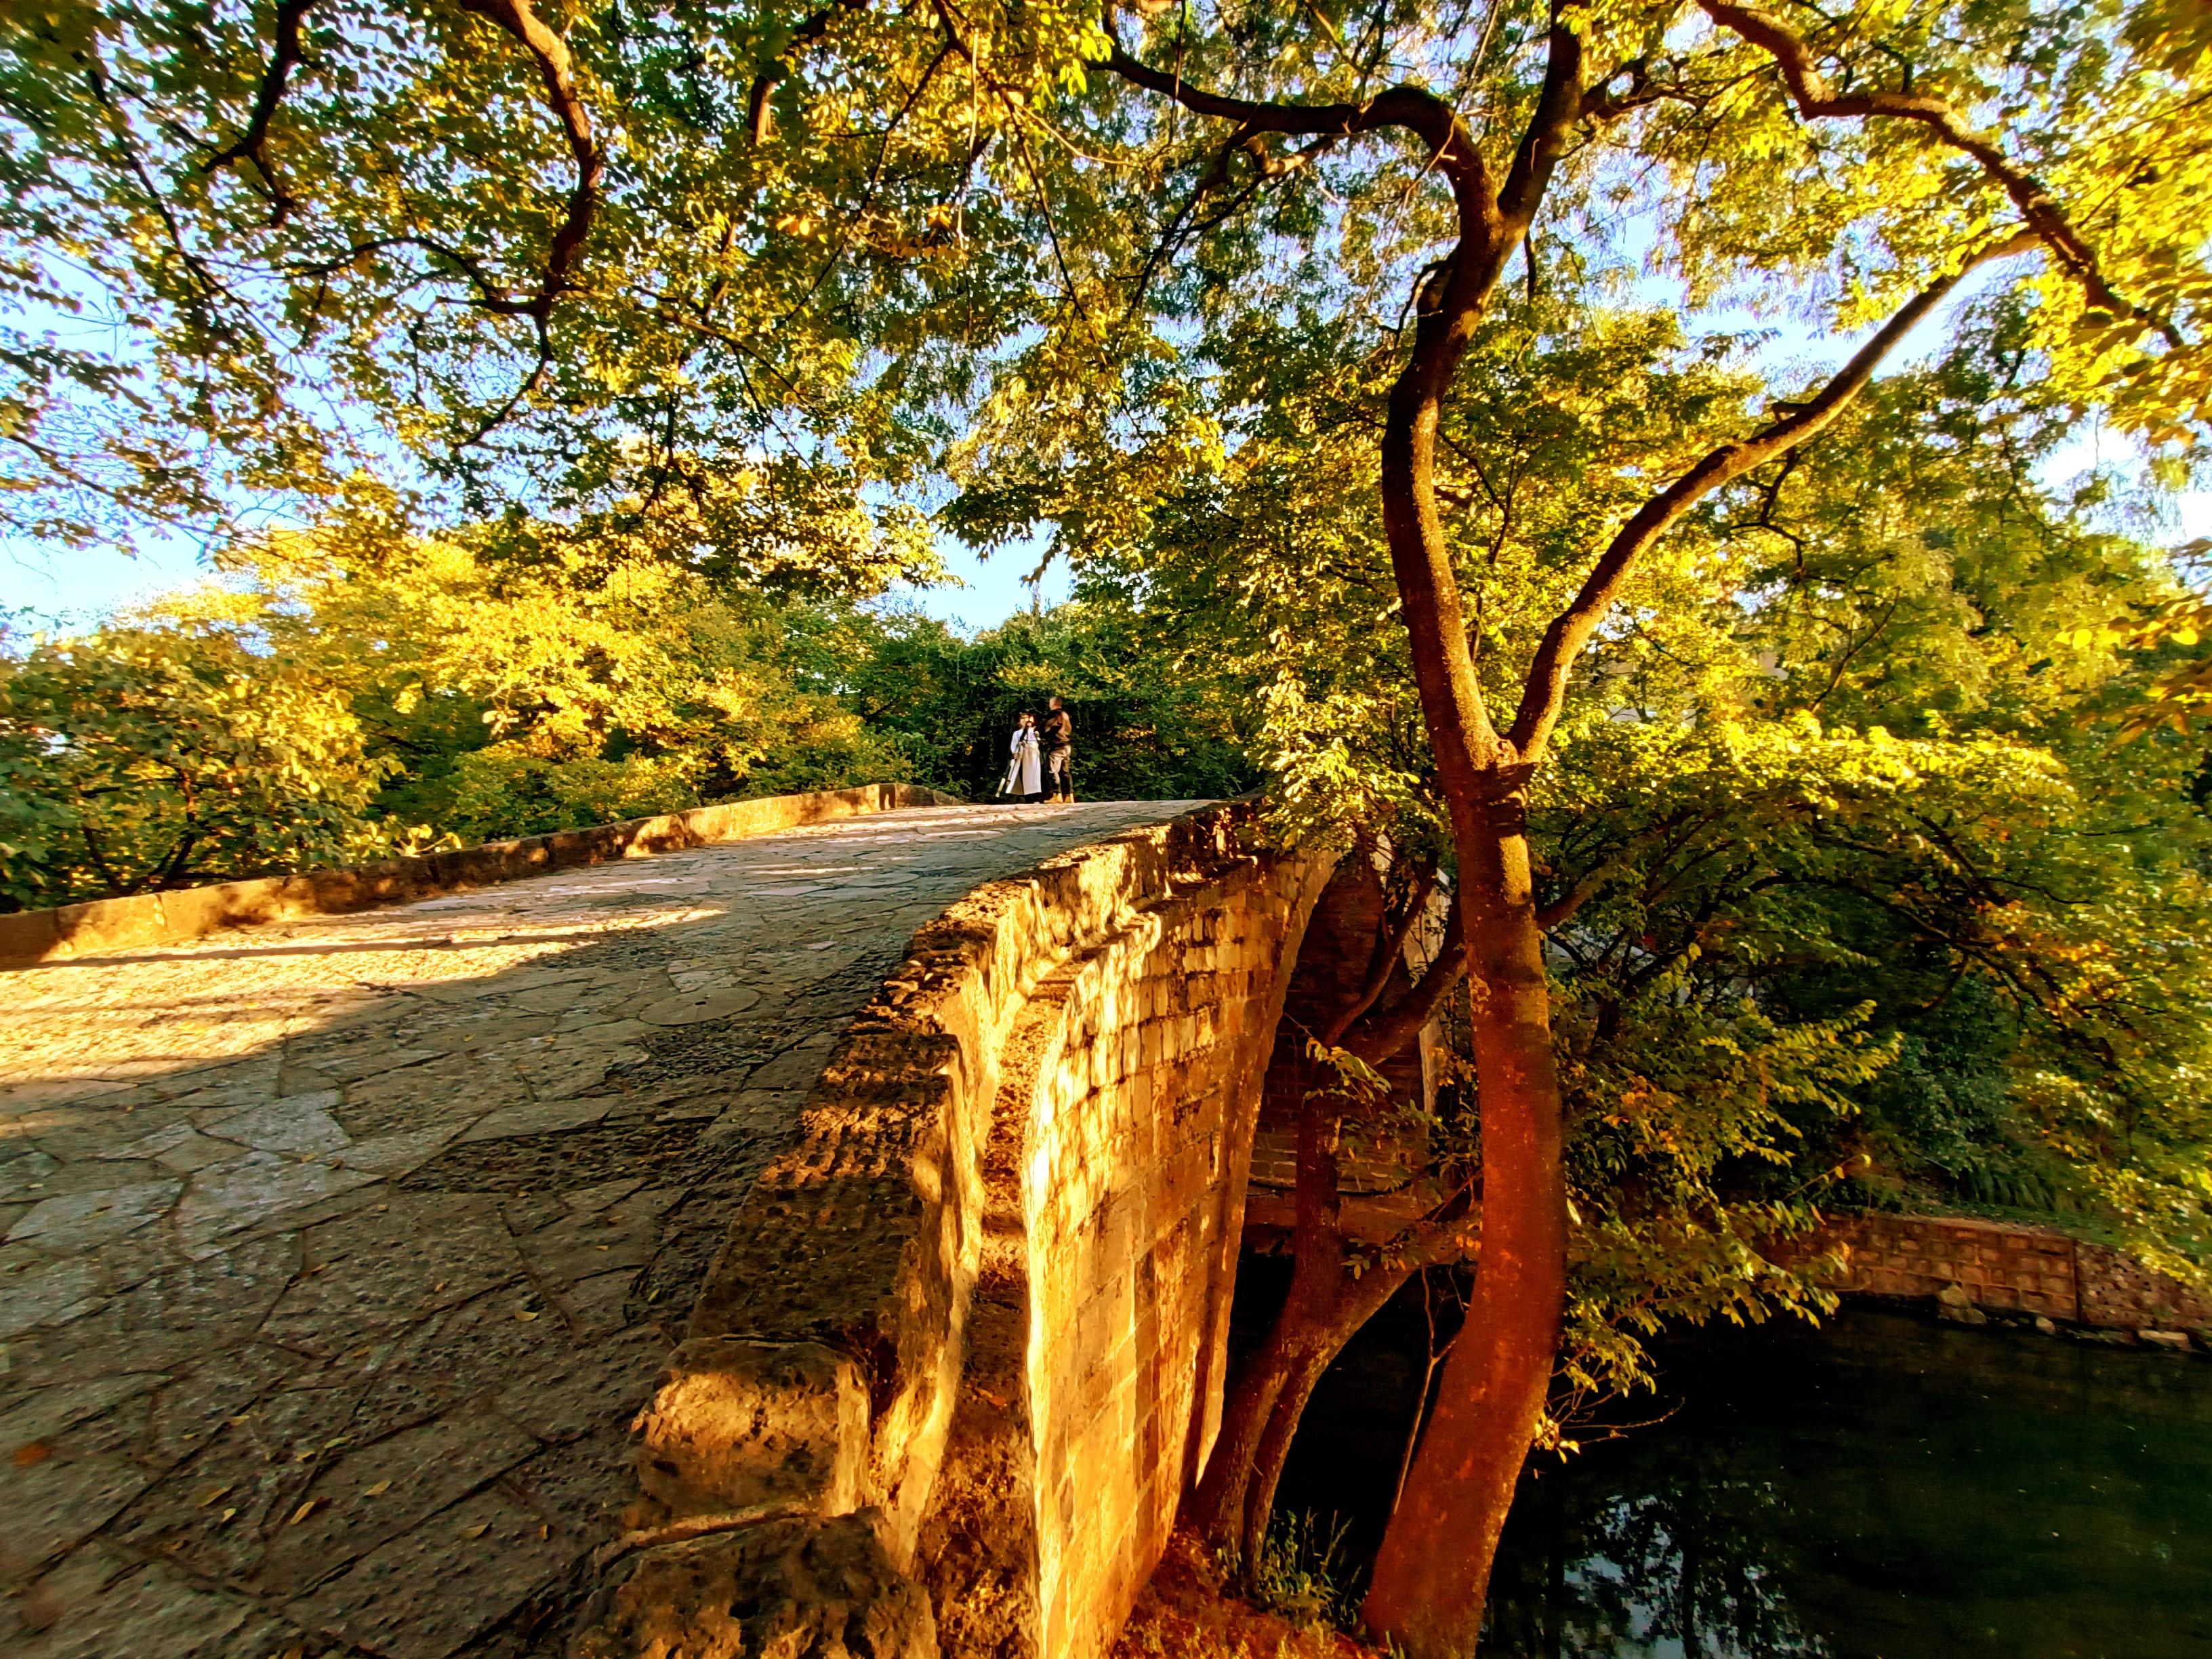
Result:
[{"x": 335, "y": 701}]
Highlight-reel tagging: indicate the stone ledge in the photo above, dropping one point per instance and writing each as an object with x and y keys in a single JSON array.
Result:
[
  {"x": 99, "y": 925},
  {"x": 734, "y": 1424},
  {"x": 825, "y": 1588}
]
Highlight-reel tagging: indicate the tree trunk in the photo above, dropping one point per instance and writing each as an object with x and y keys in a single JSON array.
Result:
[
  {"x": 1435, "y": 1556},
  {"x": 1327, "y": 1304},
  {"x": 1317, "y": 1278},
  {"x": 1282, "y": 1429},
  {"x": 1433, "y": 1570},
  {"x": 1357, "y": 1301},
  {"x": 1218, "y": 1507},
  {"x": 1325, "y": 1307}
]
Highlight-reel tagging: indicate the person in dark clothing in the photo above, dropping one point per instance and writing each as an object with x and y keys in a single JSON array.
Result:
[{"x": 1058, "y": 754}]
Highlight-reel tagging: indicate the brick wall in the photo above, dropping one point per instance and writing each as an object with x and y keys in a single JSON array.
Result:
[
  {"x": 981, "y": 1309},
  {"x": 2007, "y": 1268},
  {"x": 2004, "y": 1268}
]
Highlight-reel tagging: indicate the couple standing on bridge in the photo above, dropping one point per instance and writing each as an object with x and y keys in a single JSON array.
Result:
[{"x": 1052, "y": 777}]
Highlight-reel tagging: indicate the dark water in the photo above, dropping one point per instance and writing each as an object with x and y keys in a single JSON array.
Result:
[{"x": 1883, "y": 1488}]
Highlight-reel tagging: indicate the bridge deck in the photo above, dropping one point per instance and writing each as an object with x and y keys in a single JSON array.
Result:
[{"x": 338, "y": 1253}]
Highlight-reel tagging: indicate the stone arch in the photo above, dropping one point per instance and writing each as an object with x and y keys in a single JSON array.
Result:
[
  {"x": 963, "y": 1352},
  {"x": 1380, "y": 1165}
]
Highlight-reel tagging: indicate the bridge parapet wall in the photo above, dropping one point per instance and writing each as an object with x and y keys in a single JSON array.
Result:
[
  {"x": 100, "y": 926},
  {"x": 966, "y": 1335},
  {"x": 1134, "y": 1152}
]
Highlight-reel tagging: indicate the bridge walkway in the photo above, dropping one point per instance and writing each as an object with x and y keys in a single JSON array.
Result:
[{"x": 338, "y": 1253}]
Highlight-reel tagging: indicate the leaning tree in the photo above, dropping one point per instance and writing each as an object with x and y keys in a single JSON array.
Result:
[
  {"x": 1263, "y": 160},
  {"x": 1836, "y": 896}
]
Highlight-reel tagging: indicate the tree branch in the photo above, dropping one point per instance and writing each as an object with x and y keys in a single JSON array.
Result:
[
  {"x": 251, "y": 146},
  {"x": 1563, "y": 911},
  {"x": 1383, "y": 1033},
  {"x": 1388, "y": 949},
  {"x": 1544, "y": 691},
  {"x": 211, "y": 289},
  {"x": 1559, "y": 105},
  {"x": 1600, "y": 105},
  {"x": 1810, "y": 91},
  {"x": 1413, "y": 109},
  {"x": 760, "y": 115},
  {"x": 557, "y": 69},
  {"x": 1470, "y": 765},
  {"x": 96, "y": 856}
]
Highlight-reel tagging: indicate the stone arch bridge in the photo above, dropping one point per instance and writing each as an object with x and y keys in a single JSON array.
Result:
[{"x": 815, "y": 1239}]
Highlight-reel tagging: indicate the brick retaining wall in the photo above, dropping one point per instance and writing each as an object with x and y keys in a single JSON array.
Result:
[
  {"x": 2007, "y": 1268},
  {"x": 2003, "y": 1269}
]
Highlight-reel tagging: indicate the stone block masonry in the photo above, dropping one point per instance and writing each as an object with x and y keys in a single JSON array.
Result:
[
  {"x": 1141, "y": 1111},
  {"x": 2004, "y": 1268},
  {"x": 1012, "y": 1227}
]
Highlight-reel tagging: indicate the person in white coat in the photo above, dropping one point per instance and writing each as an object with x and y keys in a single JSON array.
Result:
[{"x": 1025, "y": 769}]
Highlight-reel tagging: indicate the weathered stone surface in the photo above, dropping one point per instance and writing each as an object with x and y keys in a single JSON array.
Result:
[
  {"x": 2119, "y": 1292},
  {"x": 340, "y": 1252},
  {"x": 34, "y": 1292},
  {"x": 58, "y": 1502},
  {"x": 820, "y": 1589},
  {"x": 100, "y": 1605},
  {"x": 72, "y": 1223},
  {"x": 485, "y": 1562},
  {"x": 1126, "y": 1158},
  {"x": 1040, "y": 1314},
  {"x": 734, "y": 1424}
]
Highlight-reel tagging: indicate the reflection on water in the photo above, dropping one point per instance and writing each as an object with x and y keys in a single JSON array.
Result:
[{"x": 1885, "y": 1488}]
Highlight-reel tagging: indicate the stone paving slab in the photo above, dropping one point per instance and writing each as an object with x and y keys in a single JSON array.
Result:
[{"x": 336, "y": 1256}]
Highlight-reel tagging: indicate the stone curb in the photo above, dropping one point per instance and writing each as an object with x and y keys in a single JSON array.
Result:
[{"x": 100, "y": 926}]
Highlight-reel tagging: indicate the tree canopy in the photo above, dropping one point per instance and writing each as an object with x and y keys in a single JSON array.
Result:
[{"x": 1624, "y": 459}]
